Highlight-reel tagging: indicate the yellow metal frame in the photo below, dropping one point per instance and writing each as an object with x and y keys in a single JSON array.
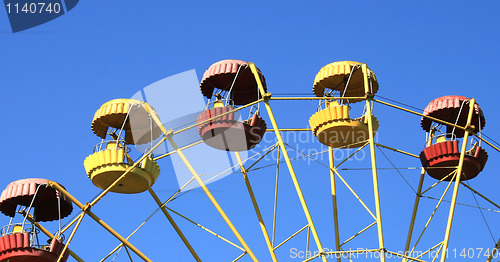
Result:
[
  {"x": 169, "y": 135},
  {"x": 334, "y": 201},
  {"x": 266, "y": 97},
  {"x": 172, "y": 222},
  {"x": 458, "y": 175},
  {"x": 374, "y": 163},
  {"x": 256, "y": 207},
  {"x": 50, "y": 235},
  {"x": 86, "y": 209},
  {"x": 281, "y": 146}
]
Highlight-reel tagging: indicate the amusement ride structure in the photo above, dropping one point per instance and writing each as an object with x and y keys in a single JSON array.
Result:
[{"x": 237, "y": 116}]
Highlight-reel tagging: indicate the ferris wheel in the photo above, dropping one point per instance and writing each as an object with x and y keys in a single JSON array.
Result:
[{"x": 238, "y": 116}]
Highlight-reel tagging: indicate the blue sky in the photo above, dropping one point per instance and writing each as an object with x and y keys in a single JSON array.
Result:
[{"x": 55, "y": 76}]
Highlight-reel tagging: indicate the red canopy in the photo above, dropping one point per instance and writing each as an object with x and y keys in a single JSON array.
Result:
[
  {"x": 221, "y": 75},
  {"x": 448, "y": 108},
  {"x": 22, "y": 192}
]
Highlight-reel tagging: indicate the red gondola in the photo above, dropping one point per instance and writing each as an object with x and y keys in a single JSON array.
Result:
[
  {"x": 226, "y": 133},
  {"x": 441, "y": 158},
  {"x": 230, "y": 83},
  {"x": 19, "y": 241}
]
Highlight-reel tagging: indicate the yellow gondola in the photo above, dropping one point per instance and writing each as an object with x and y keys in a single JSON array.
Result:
[
  {"x": 331, "y": 124},
  {"x": 132, "y": 118}
]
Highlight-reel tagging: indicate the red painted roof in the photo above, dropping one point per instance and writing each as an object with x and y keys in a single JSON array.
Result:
[
  {"x": 21, "y": 192},
  {"x": 447, "y": 108},
  {"x": 221, "y": 75}
]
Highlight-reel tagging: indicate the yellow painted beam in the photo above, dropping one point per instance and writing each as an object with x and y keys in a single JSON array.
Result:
[
  {"x": 458, "y": 176},
  {"x": 172, "y": 222},
  {"x": 333, "y": 189},
  {"x": 50, "y": 235},
  {"x": 256, "y": 207},
  {"x": 287, "y": 159},
  {"x": 374, "y": 163},
  {"x": 85, "y": 208}
]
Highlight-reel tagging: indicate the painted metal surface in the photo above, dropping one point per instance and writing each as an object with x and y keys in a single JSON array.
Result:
[
  {"x": 288, "y": 162},
  {"x": 221, "y": 75},
  {"x": 17, "y": 248},
  {"x": 21, "y": 192},
  {"x": 131, "y": 115},
  {"x": 452, "y": 109},
  {"x": 442, "y": 158},
  {"x": 336, "y": 117},
  {"x": 334, "y": 76},
  {"x": 104, "y": 167},
  {"x": 226, "y": 133},
  {"x": 333, "y": 127}
]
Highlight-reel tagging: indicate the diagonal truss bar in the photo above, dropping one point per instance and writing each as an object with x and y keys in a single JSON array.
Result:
[
  {"x": 354, "y": 193},
  {"x": 287, "y": 159},
  {"x": 85, "y": 208},
  {"x": 209, "y": 194},
  {"x": 452, "y": 173},
  {"x": 143, "y": 223},
  {"x": 172, "y": 222},
  {"x": 494, "y": 251},
  {"x": 128, "y": 254},
  {"x": 397, "y": 150},
  {"x": 260, "y": 158},
  {"x": 68, "y": 226},
  {"x": 50, "y": 235},
  {"x": 59, "y": 259},
  {"x": 182, "y": 148},
  {"x": 240, "y": 256},
  {"x": 432, "y": 215},
  {"x": 342, "y": 179},
  {"x": 359, "y": 233},
  {"x": 439, "y": 250},
  {"x": 256, "y": 207},
  {"x": 290, "y": 237},
  {"x": 206, "y": 229},
  {"x": 168, "y": 136},
  {"x": 351, "y": 155},
  {"x": 479, "y": 194},
  {"x": 418, "y": 195}
]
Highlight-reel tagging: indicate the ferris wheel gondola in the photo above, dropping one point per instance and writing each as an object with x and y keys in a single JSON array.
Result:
[
  {"x": 331, "y": 124},
  {"x": 228, "y": 84},
  {"x": 110, "y": 158},
  {"x": 442, "y": 153},
  {"x": 42, "y": 203}
]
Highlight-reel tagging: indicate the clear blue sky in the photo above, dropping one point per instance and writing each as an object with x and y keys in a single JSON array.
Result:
[{"x": 55, "y": 76}]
